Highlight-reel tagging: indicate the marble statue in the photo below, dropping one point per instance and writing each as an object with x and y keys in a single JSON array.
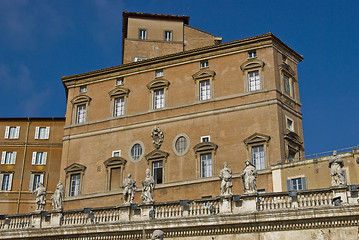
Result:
[
  {"x": 129, "y": 189},
  {"x": 336, "y": 163},
  {"x": 40, "y": 192},
  {"x": 249, "y": 176},
  {"x": 58, "y": 197},
  {"x": 157, "y": 235},
  {"x": 226, "y": 176},
  {"x": 147, "y": 188}
]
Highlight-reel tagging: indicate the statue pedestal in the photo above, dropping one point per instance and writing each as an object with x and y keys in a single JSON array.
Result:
[
  {"x": 147, "y": 211},
  {"x": 125, "y": 212},
  {"x": 340, "y": 191},
  {"x": 249, "y": 202},
  {"x": 225, "y": 204},
  {"x": 36, "y": 219},
  {"x": 56, "y": 218}
]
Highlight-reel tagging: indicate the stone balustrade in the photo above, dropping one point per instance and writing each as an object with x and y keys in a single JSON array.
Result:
[{"x": 181, "y": 209}]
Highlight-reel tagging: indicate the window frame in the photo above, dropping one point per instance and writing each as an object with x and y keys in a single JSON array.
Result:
[
  {"x": 174, "y": 146},
  {"x": 4, "y": 157},
  {"x": 142, "y": 36},
  {"x": 204, "y": 64},
  {"x": 256, "y": 81},
  {"x": 158, "y": 84},
  {"x": 120, "y": 81},
  {"x": 114, "y": 163},
  {"x": 74, "y": 169},
  {"x": 158, "y": 156},
  {"x": 204, "y": 75},
  {"x": 170, "y": 35},
  {"x": 8, "y": 132},
  {"x": 83, "y": 89},
  {"x": 201, "y": 149},
  {"x": 142, "y": 153},
  {"x": 81, "y": 100},
  {"x": 252, "y": 54},
  {"x": 154, "y": 172},
  {"x": 38, "y": 133},
  {"x": 291, "y": 128},
  {"x": 252, "y": 65},
  {"x": 287, "y": 72},
  {"x": 43, "y": 159},
  {"x": 291, "y": 180},
  {"x": 32, "y": 179},
  {"x": 256, "y": 140},
  {"x": 116, "y": 93},
  {"x": 10, "y": 181}
]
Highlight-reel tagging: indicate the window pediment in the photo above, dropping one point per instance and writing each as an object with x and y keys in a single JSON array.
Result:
[
  {"x": 205, "y": 146},
  {"x": 203, "y": 73},
  {"x": 287, "y": 69},
  {"x": 252, "y": 63},
  {"x": 156, "y": 154},
  {"x": 294, "y": 139},
  {"x": 256, "y": 138},
  {"x": 158, "y": 83},
  {"x": 75, "y": 167},
  {"x": 113, "y": 161},
  {"x": 118, "y": 91},
  {"x": 81, "y": 99}
]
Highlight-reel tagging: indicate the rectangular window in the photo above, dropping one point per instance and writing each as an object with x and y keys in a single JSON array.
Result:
[
  {"x": 205, "y": 138},
  {"x": 138, "y": 59},
  {"x": 206, "y": 165},
  {"x": 42, "y": 132},
  {"x": 284, "y": 58},
  {"x": 286, "y": 84},
  {"x": 115, "y": 178},
  {"x": 157, "y": 170},
  {"x": 119, "y": 106},
  {"x": 258, "y": 157},
  {"x": 12, "y": 132},
  {"x": 204, "y": 90},
  {"x": 142, "y": 34},
  {"x": 116, "y": 153},
  {"x": 252, "y": 54},
  {"x": 6, "y": 181},
  {"x": 83, "y": 89},
  {"x": 81, "y": 113},
  {"x": 35, "y": 179},
  {"x": 204, "y": 64},
  {"x": 119, "y": 81},
  {"x": 254, "y": 82},
  {"x": 75, "y": 184},
  {"x": 158, "y": 98},
  {"x": 289, "y": 123},
  {"x": 168, "y": 36},
  {"x": 296, "y": 184},
  {"x": 159, "y": 73},
  {"x": 8, "y": 157},
  {"x": 39, "y": 158}
]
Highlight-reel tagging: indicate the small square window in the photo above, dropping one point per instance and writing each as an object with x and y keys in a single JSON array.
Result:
[
  {"x": 116, "y": 153},
  {"x": 252, "y": 54},
  {"x": 289, "y": 124},
  {"x": 284, "y": 58},
  {"x": 168, "y": 36},
  {"x": 119, "y": 81},
  {"x": 139, "y": 59},
  {"x": 206, "y": 139},
  {"x": 142, "y": 34},
  {"x": 159, "y": 73},
  {"x": 83, "y": 89},
  {"x": 204, "y": 64}
]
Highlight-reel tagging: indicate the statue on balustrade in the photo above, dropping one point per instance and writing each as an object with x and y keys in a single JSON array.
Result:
[
  {"x": 157, "y": 235},
  {"x": 148, "y": 186},
  {"x": 226, "y": 176},
  {"x": 249, "y": 176},
  {"x": 336, "y": 163},
  {"x": 58, "y": 197},
  {"x": 40, "y": 192},
  {"x": 129, "y": 189}
]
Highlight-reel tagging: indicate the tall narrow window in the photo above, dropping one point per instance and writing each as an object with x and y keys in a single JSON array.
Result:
[
  {"x": 35, "y": 179},
  {"x": 254, "y": 82},
  {"x": 168, "y": 36},
  {"x": 81, "y": 113},
  {"x": 5, "y": 181},
  {"x": 119, "y": 106},
  {"x": 258, "y": 157},
  {"x": 157, "y": 170},
  {"x": 206, "y": 165},
  {"x": 75, "y": 184},
  {"x": 286, "y": 84},
  {"x": 204, "y": 90},
  {"x": 8, "y": 157},
  {"x": 158, "y": 98},
  {"x": 142, "y": 34}
]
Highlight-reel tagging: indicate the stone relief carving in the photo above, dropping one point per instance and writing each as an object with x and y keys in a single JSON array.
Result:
[
  {"x": 148, "y": 186},
  {"x": 336, "y": 163},
  {"x": 249, "y": 176},
  {"x": 40, "y": 192},
  {"x": 157, "y": 137},
  {"x": 226, "y": 176},
  {"x": 157, "y": 235},
  {"x": 58, "y": 197},
  {"x": 129, "y": 189}
]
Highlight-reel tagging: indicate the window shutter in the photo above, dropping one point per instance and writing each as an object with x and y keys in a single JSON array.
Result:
[
  {"x": 1, "y": 178},
  {"x": 37, "y": 130},
  {"x": 7, "y": 130},
  {"x": 17, "y": 133},
  {"x": 10, "y": 181},
  {"x": 33, "y": 158},
  {"x": 47, "y": 132},
  {"x": 42, "y": 178},
  {"x": 3, "y": 157},
  {"x": 289, "y": 185},
  {"x": 13, "y": 158},
  {"x": 304, "y": 182},
  {"x": 31, "y": 182},
  {"x": 44, "y": 157}
]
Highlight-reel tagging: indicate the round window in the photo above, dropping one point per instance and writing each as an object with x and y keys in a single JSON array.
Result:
[
  {"x": 181, "y": 144},
  {"x": 136, "y": 151}
]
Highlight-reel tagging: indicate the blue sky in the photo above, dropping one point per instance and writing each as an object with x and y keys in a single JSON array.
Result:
[{"x": 42, "y": 40}]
